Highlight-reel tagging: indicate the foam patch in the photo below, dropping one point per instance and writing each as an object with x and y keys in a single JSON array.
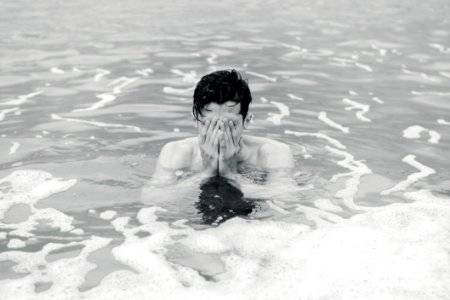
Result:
[
  {"x": 396, "y": 251},
  {"x": 28, "y": 187}
]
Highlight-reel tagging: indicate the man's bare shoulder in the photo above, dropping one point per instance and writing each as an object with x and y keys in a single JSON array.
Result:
[
  {"x": 178, "y": 154},
  {"x": 272, "y": 154}
]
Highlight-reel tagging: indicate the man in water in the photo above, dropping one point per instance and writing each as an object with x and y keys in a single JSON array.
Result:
[{"x": 221, "y": 113}]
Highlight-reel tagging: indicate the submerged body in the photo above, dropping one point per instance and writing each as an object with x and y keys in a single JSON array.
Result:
[{"x": 221, "y": 114}]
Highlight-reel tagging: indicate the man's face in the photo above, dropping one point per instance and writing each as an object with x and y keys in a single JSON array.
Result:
[{"x": 228, "y": 111}]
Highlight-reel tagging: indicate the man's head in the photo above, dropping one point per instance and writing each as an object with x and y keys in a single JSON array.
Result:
[{"x": 221, "y": 87}]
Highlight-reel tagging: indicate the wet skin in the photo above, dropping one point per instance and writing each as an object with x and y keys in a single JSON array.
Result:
[
  {"x": 219, "y": 146},
  {"x": 220, "y": 137}
]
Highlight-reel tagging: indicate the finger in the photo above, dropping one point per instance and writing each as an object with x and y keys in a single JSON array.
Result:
[
  {"x": 216, "y": 143},
  {"x": 214, "y": 132},
  {"x": 211, "y": 128},
  {"x": 234, "y": 133},
  {"x": 229, "y": 137},
  {"x": 204, "y": 131},
  {"x": 240, "y": 143},
  {"x": 222, "y": 142}
]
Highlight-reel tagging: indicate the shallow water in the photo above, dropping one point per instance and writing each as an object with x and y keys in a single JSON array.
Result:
[{"x": 89, "y": 93}]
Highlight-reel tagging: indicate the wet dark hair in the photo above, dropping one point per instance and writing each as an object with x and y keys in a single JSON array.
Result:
[{"x": 220, "y": 87}]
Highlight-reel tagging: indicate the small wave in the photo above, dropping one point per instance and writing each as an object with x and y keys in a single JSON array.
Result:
[
  {"x": 14, "y": 147},
  {"x": 4, "y": 112},
  {"x": 324, "y": 118},
  {"x": 145, "y": 72},
  {"x": 363, "y": 109},
  {"x": 284, "y": 112},
  {"x": 190, "y": 77},
  {"x": 292, "y": 96},
  {"x": 100, "y": 74},
  {"x": 57, "y": 70},
  {"x": 272, "y": 79},
  {"x": 424, "y": 171},
  {"x": 331, "y": 140},
  {"x": 413, "y": 132},
  {"x": 442, "y": 122},
  {"x": 21, "y": 99},
  {"x": 98, "y": 124}
]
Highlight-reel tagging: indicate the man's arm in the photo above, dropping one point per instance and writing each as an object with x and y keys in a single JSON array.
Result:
[
  {"x": 174, "y": 157},
  {"x": 276, "y": 158}
]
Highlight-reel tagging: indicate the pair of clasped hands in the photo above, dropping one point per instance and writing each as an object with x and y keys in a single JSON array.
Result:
[{"x": 220, "y": 145}]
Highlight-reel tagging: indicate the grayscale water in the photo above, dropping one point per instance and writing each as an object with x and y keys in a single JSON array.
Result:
[{"x": 91, "y": 90}]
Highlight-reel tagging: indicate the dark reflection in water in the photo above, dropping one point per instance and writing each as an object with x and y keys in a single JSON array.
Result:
[{"x": 219, "y": 201}]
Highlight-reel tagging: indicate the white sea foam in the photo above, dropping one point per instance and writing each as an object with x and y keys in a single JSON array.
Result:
[
  {"x": 264, "y": 100},
  {"x": 413, "y": 132},
  {"x": 445, "y": 74},
  {"x": 442, "y": 122},
  {"x": 292, "y": 96},
  {"x": 357, "y": 170},
  {"x": 353, "y": 93},
  {"x": 284, "y": 112},
  {"x": 326, "y": 204},
  {"x": 320, "y": 217},
  {"x": 342, "y": 60},
  {"x": 21, "y": 99},
  {"x": 212, "y": 58},
  {"x": 16, "y": 243},
  {"x": 100, "y": 74},
  {"x": 120, "y": 223},
  {"x": 38, "y": 270},
  {"x": 381, "y": 51},
  {"x": 324, "y": 118},
  {"x": 277, "y": 208},
  {"x": 295, "y": 47},
  {"x": 363, "y": 109},
  {"x": 364, "y": 67},
  {"x": 190, "y": 77},
  {"x": 28, "y": 187},
  {"x": 53, "y": 217},
  {"x": 273, "y": 79},
  {"x": 306, "y": 155},
  {"x": 98, "y": 124},
  {"x": 77, "y": 231},
  {"x": 14, "y": 147},
  {"x": 440, "y": 48},
  {"x": 108, "y": 214},
  {"x": 430, "y": 93},
  {"x": 105, "y": 99},
  {"x": 404, "y": 247},
  {"x": 331, "y": 140},
  {"x": 57, "y": 70},
  {"x": 300, "y": 52},
  {"x": 420, "y": 74},
  {"x": 145, "y": 72},
  {"x": 346, "y": 61},
  {"x": 424, "y": 171},
  {"x": 178, "y": 91},
  {"x": 4, "y": 112},
  {"x": 377, "y": 100},
  {"x": 122, "y": 82}
]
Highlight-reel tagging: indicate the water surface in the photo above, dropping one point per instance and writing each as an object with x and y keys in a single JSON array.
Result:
[{"x": 90, "y": 92}]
